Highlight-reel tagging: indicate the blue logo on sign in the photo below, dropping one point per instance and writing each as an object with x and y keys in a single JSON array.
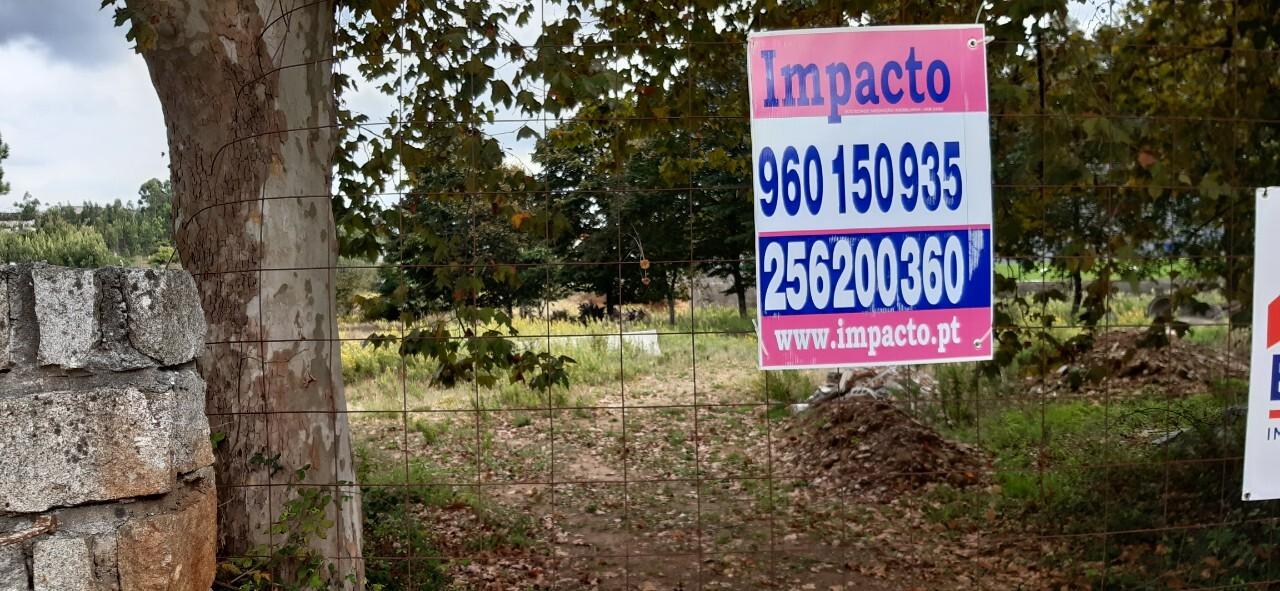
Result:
[{"x": 1275, "y": 378}]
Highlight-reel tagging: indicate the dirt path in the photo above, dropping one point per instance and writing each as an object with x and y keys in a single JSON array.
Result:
[{"x": 669, "y": 495}]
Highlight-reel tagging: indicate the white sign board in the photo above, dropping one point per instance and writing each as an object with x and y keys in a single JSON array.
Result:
[
  {"x": 872, "y": 188},
  {"x": 1262, "y": 433}
]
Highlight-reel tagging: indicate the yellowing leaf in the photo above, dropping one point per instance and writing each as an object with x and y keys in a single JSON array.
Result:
[{"x": 519, "y": 218}]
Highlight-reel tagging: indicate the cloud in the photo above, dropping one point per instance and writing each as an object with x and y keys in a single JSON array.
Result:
[
  {"x": 78, "y": 130},
  {"x": 71, "y": 30}
]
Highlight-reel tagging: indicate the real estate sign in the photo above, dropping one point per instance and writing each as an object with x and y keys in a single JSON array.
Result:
[
  {"x": 1262, "y": 433},
  {"x": 872, "y": 192}
]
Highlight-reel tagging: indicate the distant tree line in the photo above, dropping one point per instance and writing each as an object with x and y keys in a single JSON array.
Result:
[
  {"x": 90, "y": 235},
  {"x": 4, "y": 154}
]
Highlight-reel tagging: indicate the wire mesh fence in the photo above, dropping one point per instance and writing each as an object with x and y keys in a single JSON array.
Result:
[{"x": 1101, "y": 449}]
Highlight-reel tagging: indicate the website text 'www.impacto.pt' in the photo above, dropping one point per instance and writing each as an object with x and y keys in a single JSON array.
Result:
[{"x": 870, "y": 338}]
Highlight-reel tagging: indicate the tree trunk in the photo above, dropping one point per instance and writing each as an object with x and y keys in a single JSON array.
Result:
[
  {"x": 248, "y": 99},
  {"x": 740, "y": 290},
  {"x": 1077, "y": 294},
  {"x": 671, "y": 306}
]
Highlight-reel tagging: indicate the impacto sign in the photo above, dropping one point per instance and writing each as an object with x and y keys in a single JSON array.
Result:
[
  {"x": 1262, "y": 433},
  {"x": 872, "y": 191}
]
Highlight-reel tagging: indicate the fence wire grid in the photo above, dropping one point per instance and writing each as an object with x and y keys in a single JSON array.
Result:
[{"x": 670, "y": 462}]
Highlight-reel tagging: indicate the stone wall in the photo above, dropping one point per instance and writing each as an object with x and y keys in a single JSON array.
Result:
[{"x": 105, "y": 463}]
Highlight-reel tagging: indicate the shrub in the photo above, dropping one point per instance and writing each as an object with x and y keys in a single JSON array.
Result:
[
  {"x": 785, "y": 387},
  {"x": 56, "y": 243},
  {"x": 353, "y": 277},
  {"x": 163, "y": 256},
  {"x": 1146, "y": 465}
]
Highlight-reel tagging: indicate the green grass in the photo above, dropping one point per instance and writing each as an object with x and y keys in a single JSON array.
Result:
[
  {"x": 785, "y": 386},
  {"x": 1086, "y": 467},
  {"x": 393, "y": 530},
  {"x": 1070, "y": 437},
  {"x": 381, "y": 379},
  {"x": 1062, "y": 466},
  {"x": 1042, "y": 270},
  {"x": 431, "y": 431}
]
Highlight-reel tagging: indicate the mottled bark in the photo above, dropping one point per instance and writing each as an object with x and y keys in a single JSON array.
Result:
[{"x": 248, "y": 101}]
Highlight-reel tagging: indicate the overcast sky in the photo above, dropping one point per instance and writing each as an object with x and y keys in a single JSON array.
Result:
[
  {"x": 76, "y": 105},
  {"x": 82, "y": 120}
]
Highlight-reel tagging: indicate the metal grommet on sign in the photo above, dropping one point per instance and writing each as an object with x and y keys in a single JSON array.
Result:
[
  {"x": 973, "y": 43},
  {"x": 977, "y": 343}
]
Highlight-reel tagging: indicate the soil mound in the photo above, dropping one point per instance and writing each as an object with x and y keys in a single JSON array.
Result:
[
  {"x": 869, "y": 446},
  {"x": 1118, "y": 361}
]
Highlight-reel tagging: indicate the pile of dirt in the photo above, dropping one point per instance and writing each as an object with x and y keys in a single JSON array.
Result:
[
  {"x": 1119, "y": 362},
  {"x": 868, "y": 446}
]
